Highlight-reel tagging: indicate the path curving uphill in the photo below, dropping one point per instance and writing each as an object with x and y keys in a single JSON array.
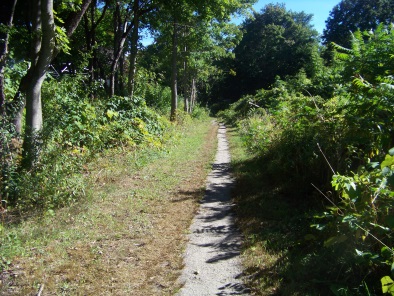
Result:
[{"x": 212, "y": 263}]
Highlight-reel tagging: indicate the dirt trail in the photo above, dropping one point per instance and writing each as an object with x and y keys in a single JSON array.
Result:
[{"x": 212, "y": 263}]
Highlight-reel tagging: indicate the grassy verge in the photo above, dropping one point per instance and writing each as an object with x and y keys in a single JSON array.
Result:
[
  {"x": 275, "y": 228},
  {"x": 128, "y": 236}
]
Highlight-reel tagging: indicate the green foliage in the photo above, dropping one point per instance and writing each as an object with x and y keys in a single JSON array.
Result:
[
  {"x": 387, "y": 285},
  {"x": 75, "y": 129},
  {"x": 12, "y": 76},
  {"x": 365, "y": 204},
  {"x": 349, "y": 15},
  {"x": 84, "y": 125},
  {"x": 200, "y": 112},
  {"x": 334, "y": 130},
  {"x": 150, "y": 86},
  {"x": 10, "y": 146},
  {"x": 258, "y": 131},
  {"x": 276, "y": 42},
  {"x": 55, "y": 182},
  {"x": 9, "y": 177}
]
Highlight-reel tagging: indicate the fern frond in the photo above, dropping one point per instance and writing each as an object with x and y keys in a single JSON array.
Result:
[
  {"x": 342, "y": 56},
  {"x": 341, "y": 48},
  {"x": 361, "y": 82}
]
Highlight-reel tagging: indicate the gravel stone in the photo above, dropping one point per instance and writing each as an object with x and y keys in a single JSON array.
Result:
[{"x": 212, "y": 258}]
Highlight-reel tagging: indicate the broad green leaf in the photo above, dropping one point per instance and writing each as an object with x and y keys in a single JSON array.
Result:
[
  {"x": 387, "y": 285},
  {"x": 380, "y": 226},
  {"x": 111, "y": 113},
  {"x": 373, "y": 165},
  {"x": 388, "y": 161},
  {"x": 359, "y": 253},
  {"x": 386, "y": 171},
  {"x": 391, "y": 151},
  {"x": 80, "y": 125}
]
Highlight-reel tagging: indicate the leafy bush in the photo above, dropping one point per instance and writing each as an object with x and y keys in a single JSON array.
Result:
[
  {"x": 258, "y": 131},
  {"x": 76, "y": 127},
  {"x": 93, "y": 125},
  {"x": 200, "y": 112},
  {"x": 156, "y": 95},
  {"x": 9, "y": 146},
  {"x": 336, "y": 137}
]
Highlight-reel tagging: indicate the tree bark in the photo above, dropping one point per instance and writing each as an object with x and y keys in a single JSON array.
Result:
[
  {"x": 18, "y": 101},
  {"x": 185, "y": 82},
  {"x": 174, "y": 73},
  {"x": 119, "y": 41},
  {"x": 193, "y": 96},
  {"x": 90, "y": 37},
  {"x": 134, "y": 49},
  {"x": 45, "y": 48},
  {"x": 75, "y": 18},
  {"x": 7, "y": 7}
]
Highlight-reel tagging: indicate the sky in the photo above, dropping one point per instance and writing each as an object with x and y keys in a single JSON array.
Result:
[{"x": 319, "y": 8}]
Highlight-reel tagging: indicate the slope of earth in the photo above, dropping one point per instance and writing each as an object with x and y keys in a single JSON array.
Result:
[{"x": 129, "y": 237}]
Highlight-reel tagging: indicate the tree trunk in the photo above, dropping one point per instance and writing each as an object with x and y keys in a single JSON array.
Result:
[
  {"x": 45, "y": 21},
  {"x": 186, "y": 92},
  {"x": 185, "y": 84},
  {"x": 119, "y": 89},
  {"x": 134, "y": 49},
  {"x": 75, "y": 18},
  {"x": 119, "y": 41},
  {"x": 90, "y": 37},
  {"x": 174, "y": 74},
  {"x": 7, "y": 7},
  {"x": 19, "y": 102},
  {"x": 115, "y": 61},
  {"x": 193, "y": 96}
]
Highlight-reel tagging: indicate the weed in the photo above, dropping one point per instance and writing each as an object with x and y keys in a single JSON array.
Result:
[{"x": 128, "y": 235}]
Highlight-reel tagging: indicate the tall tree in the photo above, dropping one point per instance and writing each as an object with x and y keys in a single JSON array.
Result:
[
  {"x": 192, "y": 13},
  {"x": 276, "y": 42},
  {"x": 133, "y": 49},
  {"x": 349, "y": 15},
  {"x": 43, "y": 46},
  {"x": 37, "y": 20},
  {"x": 7, "y": 8},
  {"x": 126, "y": 17},
  {"x": 28, "y": 21},
  {"x": 91, "y": 21}
]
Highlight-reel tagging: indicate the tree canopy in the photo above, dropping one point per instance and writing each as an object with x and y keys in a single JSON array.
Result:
[
  {"x": 276, "y": 42},
  {"x": 349, "y": 15}
]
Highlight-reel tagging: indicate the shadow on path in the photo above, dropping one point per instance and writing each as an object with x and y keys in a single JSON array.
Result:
[{"x": 212, "y": 264}]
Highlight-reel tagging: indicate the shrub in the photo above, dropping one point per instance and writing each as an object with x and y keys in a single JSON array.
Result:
[
  {"x": 337, "y": 139},
  {"x": 258, "y": 131}
]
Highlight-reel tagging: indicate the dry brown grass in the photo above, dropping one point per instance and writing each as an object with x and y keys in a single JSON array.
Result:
[{"x": 130, "y": 237}]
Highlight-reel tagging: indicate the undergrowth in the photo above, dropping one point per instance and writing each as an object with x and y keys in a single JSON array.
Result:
[
  {"x": 124, "y": 196},
  {"x": 78, "y": 129},
  {"x": 317, "y": 202}
]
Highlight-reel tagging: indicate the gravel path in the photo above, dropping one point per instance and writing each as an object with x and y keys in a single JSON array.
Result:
[{"x": 212, "y": 263}]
